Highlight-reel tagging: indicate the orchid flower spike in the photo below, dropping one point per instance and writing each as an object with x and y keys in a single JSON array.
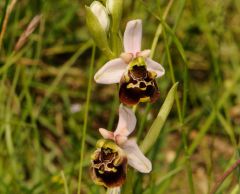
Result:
[
  {"x": 116, "y": 150},
  {"x": 134, "y": 70}
]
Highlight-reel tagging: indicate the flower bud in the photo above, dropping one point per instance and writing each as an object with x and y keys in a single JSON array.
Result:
[
  {"x": 109, "y": 164},
  {"x": 97, "y": 27},
  {"x": 114, "y": 7},
  {"x": 101, "y": 13}
]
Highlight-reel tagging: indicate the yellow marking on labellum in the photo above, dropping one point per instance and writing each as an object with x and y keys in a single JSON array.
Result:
[
  {"x": 137, "y": 85},
  {"x": 139, "y": 61},
  {"x": 103, "y": 143},
  {"x": 131, "y": 85},
  {"x": 95, "y": 155},
  {"x": 113, "y": 169},
  {"x": 118, "y": 160},
  {"x": 100, "y": 143},
  {"x": 146, "y": 99},
  {"x": 110, "y": 165},
  {"x": 152, "y": 74},
  {"x": 127, "y": 78}
]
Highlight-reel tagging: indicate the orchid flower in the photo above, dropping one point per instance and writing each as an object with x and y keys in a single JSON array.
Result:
[
  {"x": 134, "y": 70},
  {"x": 126, "y": 124},
  {"x": 110, "y": 158}
]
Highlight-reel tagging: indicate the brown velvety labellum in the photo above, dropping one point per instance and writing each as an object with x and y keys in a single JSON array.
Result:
[
  {"x": 138, "y": 85},
  {"x": 109, "y": 167}
]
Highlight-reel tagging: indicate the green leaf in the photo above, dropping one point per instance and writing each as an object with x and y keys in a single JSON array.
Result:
[{"x": 158, "y": 123}]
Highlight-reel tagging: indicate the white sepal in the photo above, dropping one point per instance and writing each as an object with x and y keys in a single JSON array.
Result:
[
  {"x": 111, "y": 72},
  {"x": 126, "y": 123},
  {"x": 154, "y": 66},
  {"x": 133, "y": 37},
  {"x": 136, "y": 158}
]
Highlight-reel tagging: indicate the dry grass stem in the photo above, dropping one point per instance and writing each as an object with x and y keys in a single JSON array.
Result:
[
  {"x": 4, "y": 26},
  {"x": 224, "y": 176},
  {"x": 29, "y": 30}
]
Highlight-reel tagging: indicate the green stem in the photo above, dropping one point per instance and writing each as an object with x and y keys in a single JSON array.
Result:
[
  {"x": 181, "y": 119},
  {"x": 8, "y": 108},
  {"x": 172, "y": 76},
  {"x": 159, "y": 29},
  {"x": 115, "y": 103},
  {"x": 86, "y": 119},
  {"x": 65, "y": 183},
  {"x": 142, "y": 122},
  {"x": 8, "y": 126}
]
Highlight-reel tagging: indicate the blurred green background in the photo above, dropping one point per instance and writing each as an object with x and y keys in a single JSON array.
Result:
[{"x": 43, "y": 89}]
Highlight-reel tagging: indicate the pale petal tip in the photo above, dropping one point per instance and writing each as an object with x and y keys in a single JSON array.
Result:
[
  {"x": 145, "y": 53},
  {"x": 106, "y": 134},
  {"x": 134, "y": 22},
  {"x": 136, "y": 158},
  {"x": 96, "y": 78},
  {"x": 133, "y": 36},
  {"x": 161, "y": 72},
  {"x": 148, "y": 168}
]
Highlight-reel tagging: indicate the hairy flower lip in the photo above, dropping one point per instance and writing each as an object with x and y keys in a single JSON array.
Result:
[
  {"x": 109, "y": 164},
  {"x": 138, "y": 84}
]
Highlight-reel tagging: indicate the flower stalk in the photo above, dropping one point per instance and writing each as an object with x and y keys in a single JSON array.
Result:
[{"x": 85, "y": 120}]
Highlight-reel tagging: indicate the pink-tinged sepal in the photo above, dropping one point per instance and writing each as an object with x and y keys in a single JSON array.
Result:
[
  {"x": 126, "y": 123},
  {"x": 111, "y": 72},
  {"x": 155, "y": 67},
  {"x": 136, "y": 158},
  {"x": 133, "y": 37},
  {"x": 106, "y": 134}
]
